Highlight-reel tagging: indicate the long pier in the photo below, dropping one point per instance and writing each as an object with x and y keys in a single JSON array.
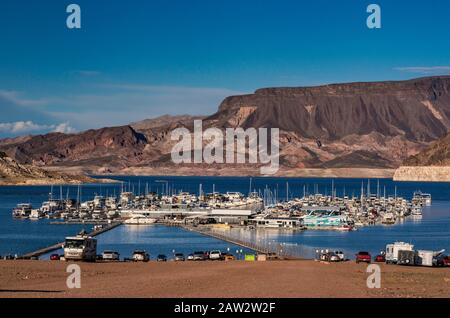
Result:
[
  {"x": 57, "y": 246},
  {"x": 235, "y": 241}
]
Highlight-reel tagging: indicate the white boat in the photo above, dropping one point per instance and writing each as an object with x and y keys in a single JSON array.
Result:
[
  {"x": 36, "y": 214},
  {"x": 140, "y": 220},
  {"x": 22, "y": 210},
  {"x": 416, "y": 211}
]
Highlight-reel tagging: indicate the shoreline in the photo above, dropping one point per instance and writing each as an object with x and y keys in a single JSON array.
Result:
[{"x": 232, "y": 171}]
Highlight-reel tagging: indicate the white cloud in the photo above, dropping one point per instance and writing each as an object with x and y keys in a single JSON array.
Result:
[
  {"x": 64, "y": 128},
  {"x": 21, "y": 127},
  {"x": 424, "y": 69},
  {"x": 25, "y": 127}
]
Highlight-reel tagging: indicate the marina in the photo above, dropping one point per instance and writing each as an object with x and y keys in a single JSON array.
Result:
[{"x": 277, "y": 215}]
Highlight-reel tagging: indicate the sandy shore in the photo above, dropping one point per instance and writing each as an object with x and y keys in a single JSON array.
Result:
[{"x": 220, "y": 279}]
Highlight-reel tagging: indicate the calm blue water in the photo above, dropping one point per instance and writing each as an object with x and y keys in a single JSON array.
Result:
[{"x": 432, "y": 232}]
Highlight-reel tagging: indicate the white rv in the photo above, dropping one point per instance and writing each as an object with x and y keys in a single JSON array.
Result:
[
  {"x": 393, "y": 249},
  {"x": 80, "y": 248}
]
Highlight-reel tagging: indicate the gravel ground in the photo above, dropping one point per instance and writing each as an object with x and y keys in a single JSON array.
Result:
[{"x": 289, "y": 279}]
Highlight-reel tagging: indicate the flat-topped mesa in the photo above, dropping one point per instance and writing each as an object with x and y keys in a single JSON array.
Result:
[{"x": 417, "y": 109}]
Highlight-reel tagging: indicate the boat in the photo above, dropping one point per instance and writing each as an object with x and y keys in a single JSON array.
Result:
[
  {"x": 422, "y": 198},
  {"x": 22, "y": 210},
  {"x": 416, "y": 211},
  {"x": 140, "y": 220},
  {"x": 277, "y": 222},
  {"x": 388, "y": 218},
  {"x": 36, "y": 214}
]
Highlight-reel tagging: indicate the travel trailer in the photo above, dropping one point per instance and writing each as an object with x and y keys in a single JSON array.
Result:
[
  {"x": 392, "y": 251},
  {"x": 80, "y": 248}
]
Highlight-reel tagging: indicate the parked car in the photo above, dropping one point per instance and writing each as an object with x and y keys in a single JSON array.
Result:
[
  {"x": 442, "y": 260},
  {"x": 54, "y": 257},
  {"x": 190, "y": 257},
  {"x": 199, "y": 256},
  {"x": 333, "y": 257},
  {"x": 381, "y": 258},
  {"x": 340, "y": 254},
  {"x": 229, "y": 257},
  {"x": 161, "y": 258},
  {"x": 215, "y": 255},
  {"x": 446, "y": 260},
  {"x": 179, "y": 257},
  {"x": 110, "y": 256},
  {"x": 363, "y": 257},
  {"x": 330, "y": 257},
  {"x": 140, "y": 256}
]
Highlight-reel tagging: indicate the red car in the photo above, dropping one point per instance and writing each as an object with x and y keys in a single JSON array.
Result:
[
  {"x": 447, "y": 261},
  {"x": 54, "y": 257},
  {"x": 444, "y": 260},
  {"x": 363, "y": 257},
  {"x": 380, "y": 258}
]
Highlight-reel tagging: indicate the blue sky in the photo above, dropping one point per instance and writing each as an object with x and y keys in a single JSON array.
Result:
[{"x": 137, "y": 59}]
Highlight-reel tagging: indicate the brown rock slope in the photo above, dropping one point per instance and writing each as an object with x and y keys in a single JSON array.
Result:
[
  {"x": 438, "y": 154},
  {"x": 13, "y": 173},
  {"x": 432, "y": 164}
]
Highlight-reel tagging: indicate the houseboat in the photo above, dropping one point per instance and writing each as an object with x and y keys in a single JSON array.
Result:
[{"x": 22, "y": 210}]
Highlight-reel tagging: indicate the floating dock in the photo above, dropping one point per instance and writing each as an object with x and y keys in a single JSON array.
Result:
[
  {"x": 59, "y": 245},
  {"x": 235, "y": 241}
]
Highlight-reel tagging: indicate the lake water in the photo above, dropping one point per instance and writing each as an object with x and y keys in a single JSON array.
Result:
[{"x": 431, "y": 232}]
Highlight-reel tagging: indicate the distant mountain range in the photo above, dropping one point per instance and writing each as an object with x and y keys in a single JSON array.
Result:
[{"x": 355, "y": 125}]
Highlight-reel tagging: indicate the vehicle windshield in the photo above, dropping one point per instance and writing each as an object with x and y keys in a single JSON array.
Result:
[
  {"x": 363, "y": 253},
  {"x": 179, "y": 255},
  {"x": 199, "y": 253},
  {"x": 71, "y": 243}
]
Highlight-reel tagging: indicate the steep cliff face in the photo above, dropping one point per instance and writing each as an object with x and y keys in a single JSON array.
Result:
[
  {"x": 363, "y": 125},
  {"x": 418, "y": 109}
]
